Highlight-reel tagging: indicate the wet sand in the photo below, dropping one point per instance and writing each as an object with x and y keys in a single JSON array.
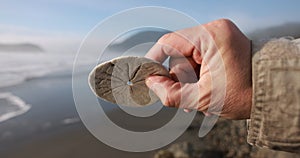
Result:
[{"x": 52, "y": 128}]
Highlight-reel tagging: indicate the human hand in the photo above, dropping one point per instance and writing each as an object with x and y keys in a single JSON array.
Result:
[{"x": 193, "y": 54}]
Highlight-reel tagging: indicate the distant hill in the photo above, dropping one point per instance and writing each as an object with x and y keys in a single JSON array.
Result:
[
  {"x": 288, "y": 29},
  {"x": 138, "y": 37},
  {"x": 21, "y": 47}
]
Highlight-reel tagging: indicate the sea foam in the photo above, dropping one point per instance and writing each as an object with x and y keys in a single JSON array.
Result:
[
  {"x": 11, "y": 106},
  {"x": 18, "y": 67}
]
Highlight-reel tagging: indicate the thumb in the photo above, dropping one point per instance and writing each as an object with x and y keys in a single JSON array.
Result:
[{"x": 166, "y": 89}]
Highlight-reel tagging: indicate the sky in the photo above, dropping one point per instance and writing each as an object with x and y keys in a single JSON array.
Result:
[{"x": 73, "y": 19}]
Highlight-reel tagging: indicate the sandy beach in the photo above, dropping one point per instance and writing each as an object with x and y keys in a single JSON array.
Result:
[{"x": 52, "y": 127}]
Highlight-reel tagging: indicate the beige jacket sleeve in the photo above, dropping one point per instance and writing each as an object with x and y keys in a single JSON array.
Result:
[{"x": 275, "y": 114}]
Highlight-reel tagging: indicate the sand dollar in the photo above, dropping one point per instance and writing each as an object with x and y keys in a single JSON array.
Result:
[{"x": 122, "y": 80}]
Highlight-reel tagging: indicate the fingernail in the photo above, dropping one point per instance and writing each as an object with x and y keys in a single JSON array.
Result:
[
  {"x": 187, "y": 110},
  {"x": 207, "y": 113}
]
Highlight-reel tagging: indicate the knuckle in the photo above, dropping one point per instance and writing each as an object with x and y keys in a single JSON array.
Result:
[
  {"x": 225, "y": 22},
  {"x": 165, "y": 37}
]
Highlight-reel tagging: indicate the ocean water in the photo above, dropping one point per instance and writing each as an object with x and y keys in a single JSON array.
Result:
[{"x": 18, "y": 67}]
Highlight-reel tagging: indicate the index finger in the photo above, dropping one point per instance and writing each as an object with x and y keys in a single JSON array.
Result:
[{"x": 181, "y": 43}]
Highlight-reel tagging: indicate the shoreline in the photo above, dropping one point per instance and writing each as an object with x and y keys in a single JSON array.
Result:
[
  {"x": 52, "y": 127},
  {"x": 53, "y": 121}
]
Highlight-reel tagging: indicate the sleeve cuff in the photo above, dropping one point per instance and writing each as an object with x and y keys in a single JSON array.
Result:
[{"x": 275, "y": 113}]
